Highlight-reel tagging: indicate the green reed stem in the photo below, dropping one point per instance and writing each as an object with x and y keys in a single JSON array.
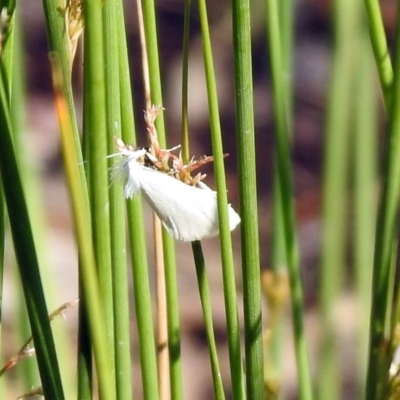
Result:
[
  {"x": 385, "y": 244},
  {"x": 228, "y": 270}
]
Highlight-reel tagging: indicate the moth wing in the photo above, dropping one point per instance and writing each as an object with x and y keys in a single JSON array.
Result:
[
  {"x": 188, "y": 213},
  {"x": 234, "y": 219},
  {"x": 132, "y": 172}
]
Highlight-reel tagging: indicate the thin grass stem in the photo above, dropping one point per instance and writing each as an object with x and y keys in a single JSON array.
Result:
[
  {"x": 88, "y": 275},
  {"x": 112, "y": 18},
  {"x": 245, "y": 139},
  {"x": 385, "y": 244},
  {"x": 228, "y": 270},
  {"x": 380, "y": 47},
  {"x": 285, "y": 185},
  {"x": 204, "y": 292},
  {"x": 335, "y": 189},
  {"x": 26, "y": 256}
]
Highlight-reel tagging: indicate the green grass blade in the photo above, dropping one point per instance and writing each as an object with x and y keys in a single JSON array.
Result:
[
  {"x": 285, "y": 185},
  {"x": 26, "y": 256},
  {"x": 2, "y": 240},
  {"x": 7, "y": 51},
  {"x": 248, "y": 199},
  {"x": 85, "y": 365},
  {"x": 365, "y": 180},
  {"x": 335, "y": 184},
  {"x": 228, "y": 270},
  {"x": 58, "y": 42},
  {"x": 88, "y": 274},
  {"x": 142, "y": 294},
  {"x": 380, "y": 48},
  {"x": 2, "y": 243},
  {"x": 168, "y": 243},
  {"x": 112, "y": 17},
  {"x": 185, "y": 84},
  {"x": 198, "y": 255},
  {"x": 204, "y": 291},
  {"x": 150, "y": 28},
  {"x": 137, "y": 243},
  {"x": 385, "y": 239},
  {"x": 278, "y": 248},
  {"x": 95, "y": 132},
  {"x": 174, "y": 338}
]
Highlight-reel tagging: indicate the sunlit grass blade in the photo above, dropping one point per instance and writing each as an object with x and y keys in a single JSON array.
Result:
[{"x": 88, "y": 274}]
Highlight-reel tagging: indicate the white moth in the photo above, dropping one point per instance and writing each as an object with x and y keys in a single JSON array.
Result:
[{"x": 187, "y": 212}]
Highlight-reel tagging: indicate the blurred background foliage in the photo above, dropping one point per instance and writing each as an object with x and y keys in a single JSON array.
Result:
[{"x": 314, "y": 47}]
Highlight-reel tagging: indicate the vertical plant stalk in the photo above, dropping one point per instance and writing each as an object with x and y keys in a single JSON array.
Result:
[
  {"x": 85, "y": 365},
  {"x": 204, "y": 291},
  {"x": 335, "y": 190},
  {"x": 142, "y": 294},
  {"x": 7, "y": 62},
  {"x": 174, "y": 340},
  {"x": 198, "y": 255},
  {"x": 168, "y": 243},
  {"x": 58, "y": 42},
  {"x": 26, "y": 256},
  {"x": 121, "y": 318},
  {"x": 185, "y": 84},
  {"x": 137, "y": 244},
  {"x": 57, "y": 33},
  {"x": 228, "y": 270},
  {"x": 162, "y": 319},
  {"x": 385, "y": 240},
  {"x": 380, "y": 48},
  {"x": 365, "y": 182},
  {"x": 285, "y": 185},
  {"x": 95, "y": 132},
  {"x": 248, "y": 199},
  {"x": 7, "y": 45},
  {"x": 278, "y": 256},
  {"x": 2, "y": 241},
  {"x": 88, "y": 274},
  {"x": 28, "y": 373}
]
